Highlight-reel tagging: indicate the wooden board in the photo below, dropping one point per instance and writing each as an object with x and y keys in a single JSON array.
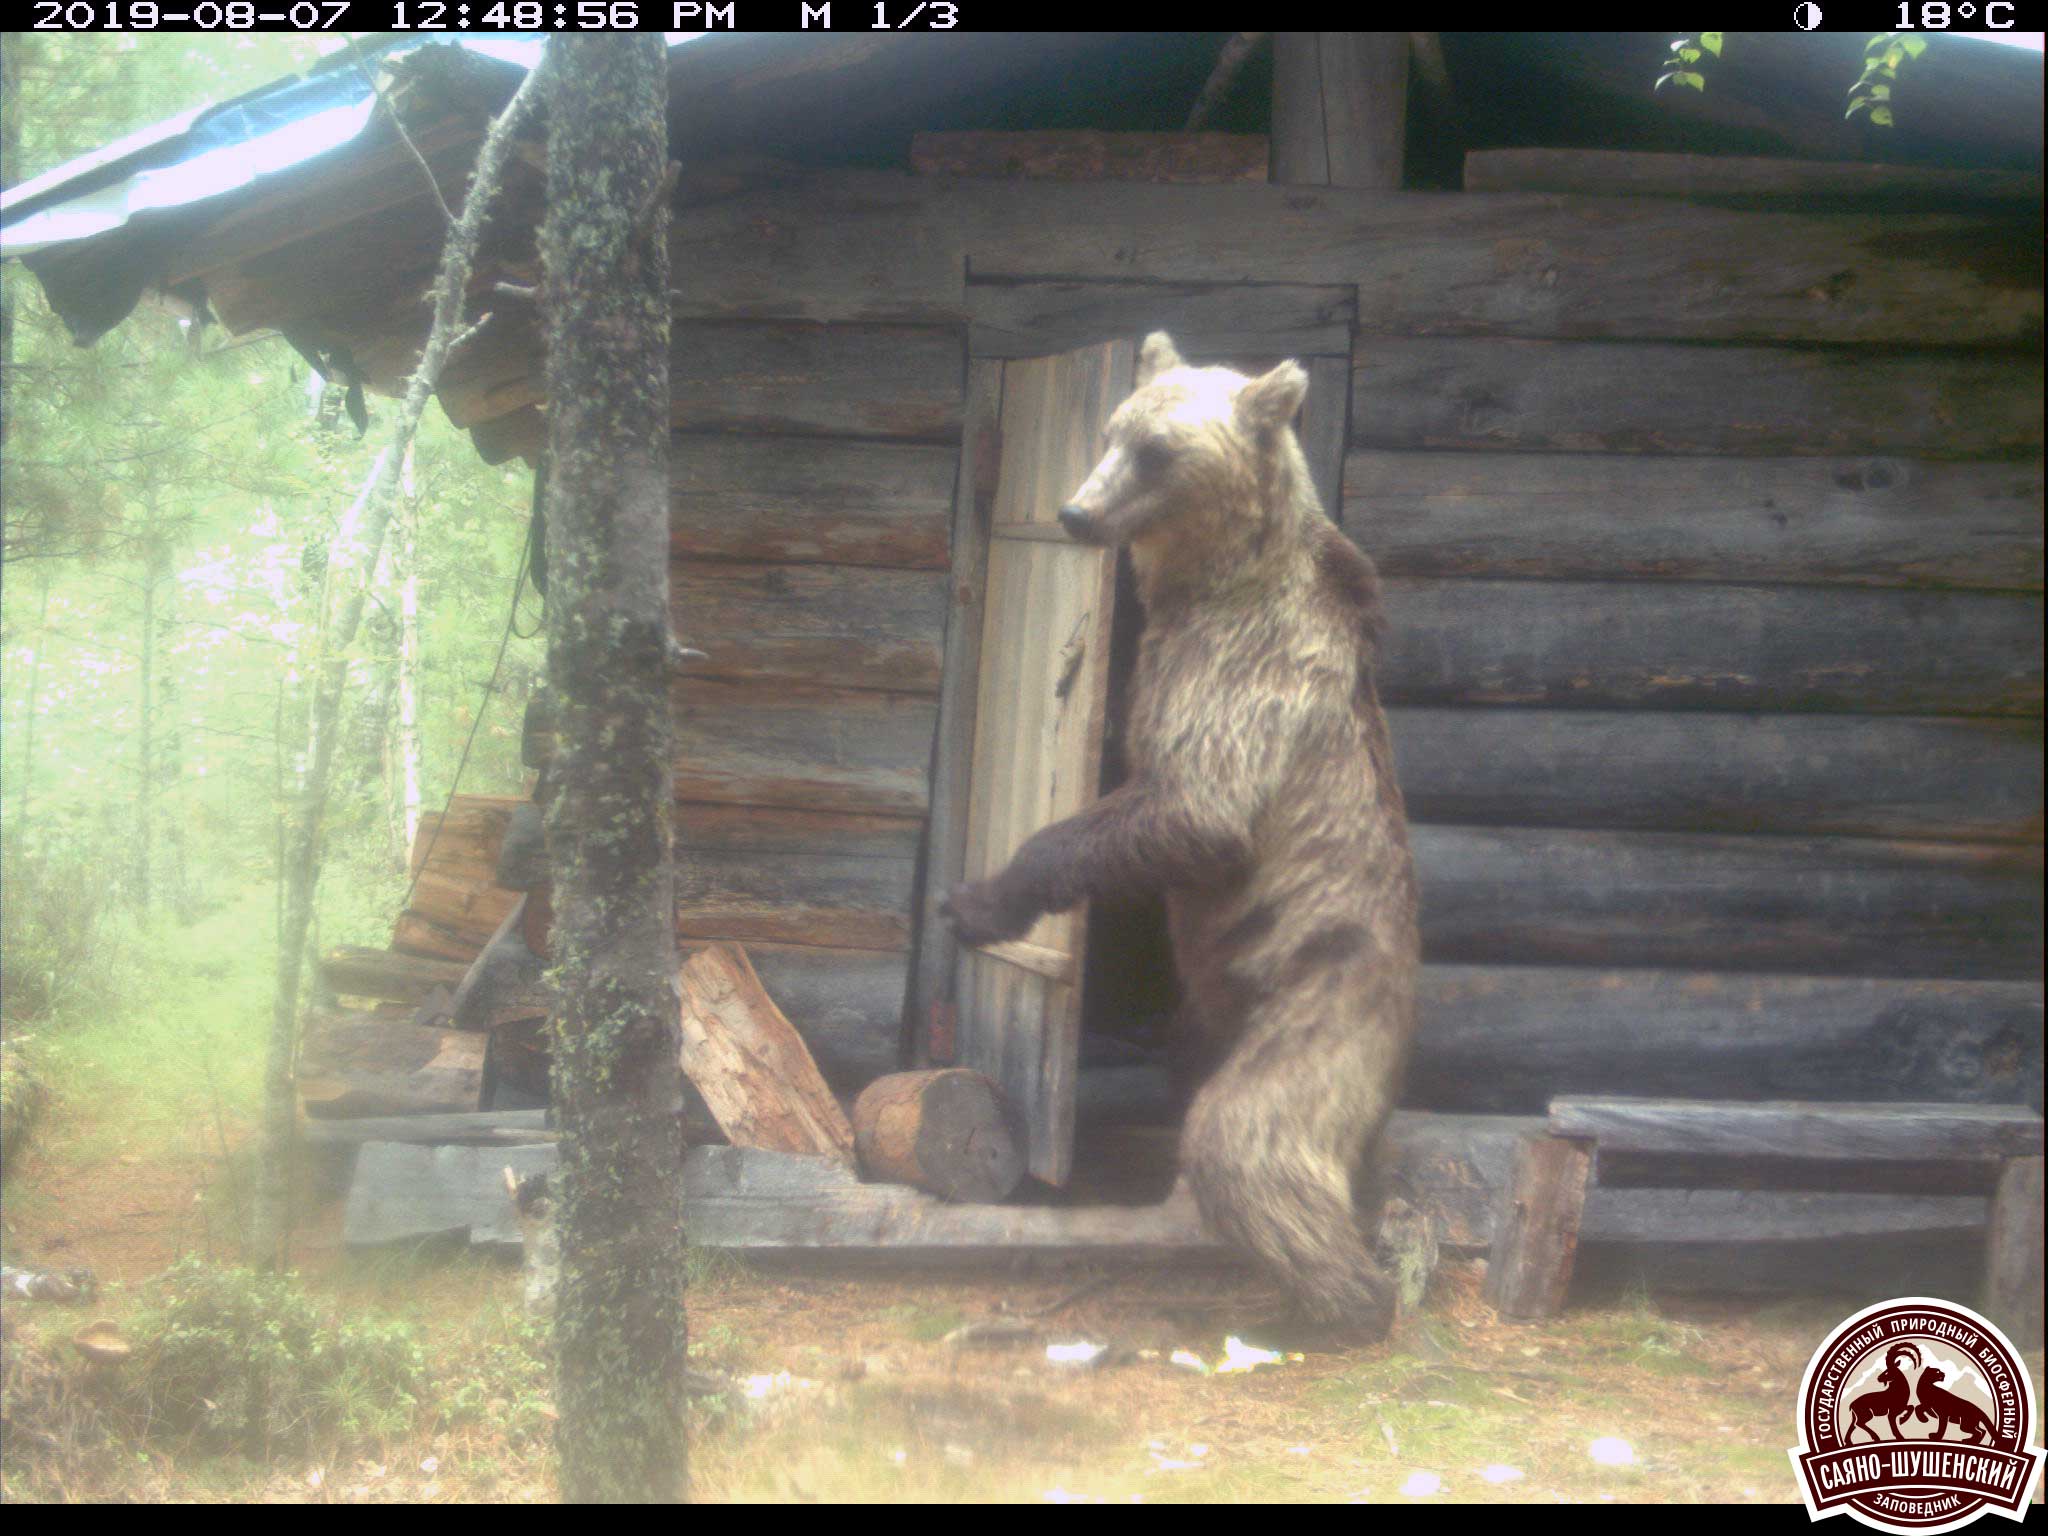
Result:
[
  {"x": 1860, "y": 522},
  {"x": 1536, "y": 1233},
  {"x": 1448, "y": 392},
  {"x": 1340, "y": 108},
  {"x": 1690, "y": 645},
  {"x": 823, "y": 625},
  {"x": 1803, "y": 905},
  {"x": 827, "y": 502},
  {"x": 1867, "y": 776},
  {"x": 1038, "y": 724},
  {"x": 1752, "y": 180},
  {"x": 1085, "y": 154},
  {"x": 845, "y": 901},
  {"x": 1800, "y": 1130},
  {"x": 354, "y": 1064},
  {"x": 796, "y": 745},
  {"x": 353, "y": 970},
  {"x": 1206, "y": 320}
]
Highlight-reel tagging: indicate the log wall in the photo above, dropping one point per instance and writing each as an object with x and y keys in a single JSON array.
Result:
[{"x": 1713, "y": 546}]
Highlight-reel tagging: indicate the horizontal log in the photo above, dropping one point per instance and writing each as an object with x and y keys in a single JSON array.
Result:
[
  {"x": 793, "y": 745},
  {"x": 1801, "y": 905},
  {"x": 764, "y": 829},
  {"x": 828, "y": 502},
  {"x": 1207, "y": 320},
  {"x": 353, "y": 1064},
  {"x": 1592, "y": 398},
  {"x": 795, "y": 898},
  {"x": 1833, "y": 1132},
  {"x": 1700, "y": 646},
  {"x": 353, "y": 970},
  {"x": 1860, "y": 522},
  {"x": 491, "y": 1128},
  {"x": 451, "y": 915},
  {"x": 847, "y": 1004},
  {"x": 1536, "y": 264},
  {"x": 1969, "y": 780},
  {"x": 839, "y": 626},
  {"x": 765, "y": 377},
  {"x": 1752, "y": 180},
  {"x": 1087, "y": 154},
  {"x": 1508, "y": 1039}
]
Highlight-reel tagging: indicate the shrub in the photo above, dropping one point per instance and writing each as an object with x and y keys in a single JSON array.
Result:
[{"x": 65, "y": 944}]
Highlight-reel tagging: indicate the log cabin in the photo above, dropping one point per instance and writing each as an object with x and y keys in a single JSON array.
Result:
[{"x": 1699, "y": 443}]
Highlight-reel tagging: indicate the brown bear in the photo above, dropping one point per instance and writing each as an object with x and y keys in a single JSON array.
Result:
[{"x": 1262, "y": 800}]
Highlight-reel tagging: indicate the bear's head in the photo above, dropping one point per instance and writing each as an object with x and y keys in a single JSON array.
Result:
[{"x": 1203, "y": 455}]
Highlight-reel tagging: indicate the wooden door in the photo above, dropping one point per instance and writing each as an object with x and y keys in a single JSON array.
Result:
[{"x": 1042, "y": 684}]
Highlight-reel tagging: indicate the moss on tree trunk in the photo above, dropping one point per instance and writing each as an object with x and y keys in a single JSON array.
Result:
[{"x": 619, "y": 1325}]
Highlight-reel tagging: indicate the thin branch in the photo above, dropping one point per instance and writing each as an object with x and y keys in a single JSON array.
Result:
[{"x": 384, "y": 101}]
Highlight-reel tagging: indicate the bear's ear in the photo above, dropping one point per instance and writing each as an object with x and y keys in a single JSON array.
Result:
[
  {"x": 1269, "y": 402},
  {"x": 1156, "y": 357}
]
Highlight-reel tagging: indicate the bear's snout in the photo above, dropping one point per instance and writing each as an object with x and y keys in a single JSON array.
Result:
[{"x": 1079, "y": 525}]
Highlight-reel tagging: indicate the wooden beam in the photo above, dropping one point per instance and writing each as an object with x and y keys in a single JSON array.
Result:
[
  {"x": 1037, "y": 319},
  {"x": 1536, "y": 1234},
  {"x": 830, "y": 502},
  {"x": 838, "y": 626},
  {"x": 1797, "y": 1129},
  {"x": 1798, "y": 905},
  {"x": 1340, "y": 108},
  {"x": 1604, "y": 517},
  {"x": 1087, "y": 154},
  {"x": 1688, "y": 645},
  {"x": 1861, "y": 776},
  {"x": 1746, "y": 180},
  {"x": 2012, "y": 1254},
  {"x": 804, "y": 746},
  {"x": 1462, "y": 393}
]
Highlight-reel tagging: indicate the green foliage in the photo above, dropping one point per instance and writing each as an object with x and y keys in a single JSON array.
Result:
[
  {"x": 231, "y": 1356},
  {"x": 1882, "y": 56},
  {"x": 66, "y": 945},
  {"x": 1688, "y": 61}
]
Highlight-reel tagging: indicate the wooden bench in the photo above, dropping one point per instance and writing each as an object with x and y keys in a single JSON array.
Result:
[{"x": 1918, "y": 1149}]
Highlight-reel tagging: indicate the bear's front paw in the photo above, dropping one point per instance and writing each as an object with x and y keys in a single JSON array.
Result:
[{"x": 979, "y": 915}]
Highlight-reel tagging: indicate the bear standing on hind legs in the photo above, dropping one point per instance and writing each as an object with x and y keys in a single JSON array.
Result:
[{"x": 1262, "y": 800}]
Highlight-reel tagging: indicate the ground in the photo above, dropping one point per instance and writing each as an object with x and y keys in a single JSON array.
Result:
[{"x": 847, "y": 1387}]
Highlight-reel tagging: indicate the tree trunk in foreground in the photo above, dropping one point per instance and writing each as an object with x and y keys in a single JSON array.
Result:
[{"x": 619, "y": 1330}]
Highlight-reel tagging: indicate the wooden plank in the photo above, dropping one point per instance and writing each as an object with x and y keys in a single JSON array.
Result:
[
  {"x": 796, "y": 745},
  {"x": 1340, "y": 108},
  {"x": 1044, "y": 672},
  {"x": 1507, "y": 1039},
  {"x": 1536, "y": 1234},
  {"x": 2012, "y": 1254},
  {"x": 767, "y": 377},
  {"x": 487, "y": 1128},
  {"x": 1698, "y": 646},
  {"x": 1207, "y": 320},
  {"x": 354, "y": 1064},
  {"x": 1810, "y": 906},
  {"x": 402, "y": 1193},
  {"x": 835, "y": 900},
  {"x": 826, "y": 502},
  {"x": 837, "y": 626},
  {"x": 1858, "y": 522},
  {"x": 1801, "y": 1129},
  {"x": 354, "y": 970},
  {"x": 1536, "y": 264},
  {"x": 1325, "y": 422},
  {"x": 1751, "y": 180},
  {"x": 1452, "y": 392},
  {"x": 1963, "y": 780},
  {"x": 750, "y": 1064},
  {"x": 1087, "y": 154},
  {"x": 930, "y": 1010}
]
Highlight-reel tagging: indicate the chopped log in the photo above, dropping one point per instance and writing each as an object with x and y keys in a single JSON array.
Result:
[
  {"x": 1824, "y": 1132},
  {"x": 1340, "y": 108},
  {"x": 1536, "y": 1234},
  {"x": 843, "y": 626},
  {"x": 1448, "y": 392},
  {"x": 1858, "y": 522},
  {"x": 749, "y": 1062},
  {"x": 949, "y": 1131},
  {"x": 1811, "y": 906},
  {"x": 1086, "y": 154},
  {"x": 1744, "y": 180},
  {"x": 1207, "y": 321},
  {"x": 2013, "y": 1284},
  {"x": 1965, "y": 780},
  {"x": 354, "y": 1064},
  {"x": 351, "y": 970},
  {"x": 1694, "y": 646},
  {"x": 835, "y": 502}
]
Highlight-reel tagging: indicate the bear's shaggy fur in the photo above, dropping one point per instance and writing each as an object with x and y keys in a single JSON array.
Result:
[{"x": 1262, "y": 799}]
